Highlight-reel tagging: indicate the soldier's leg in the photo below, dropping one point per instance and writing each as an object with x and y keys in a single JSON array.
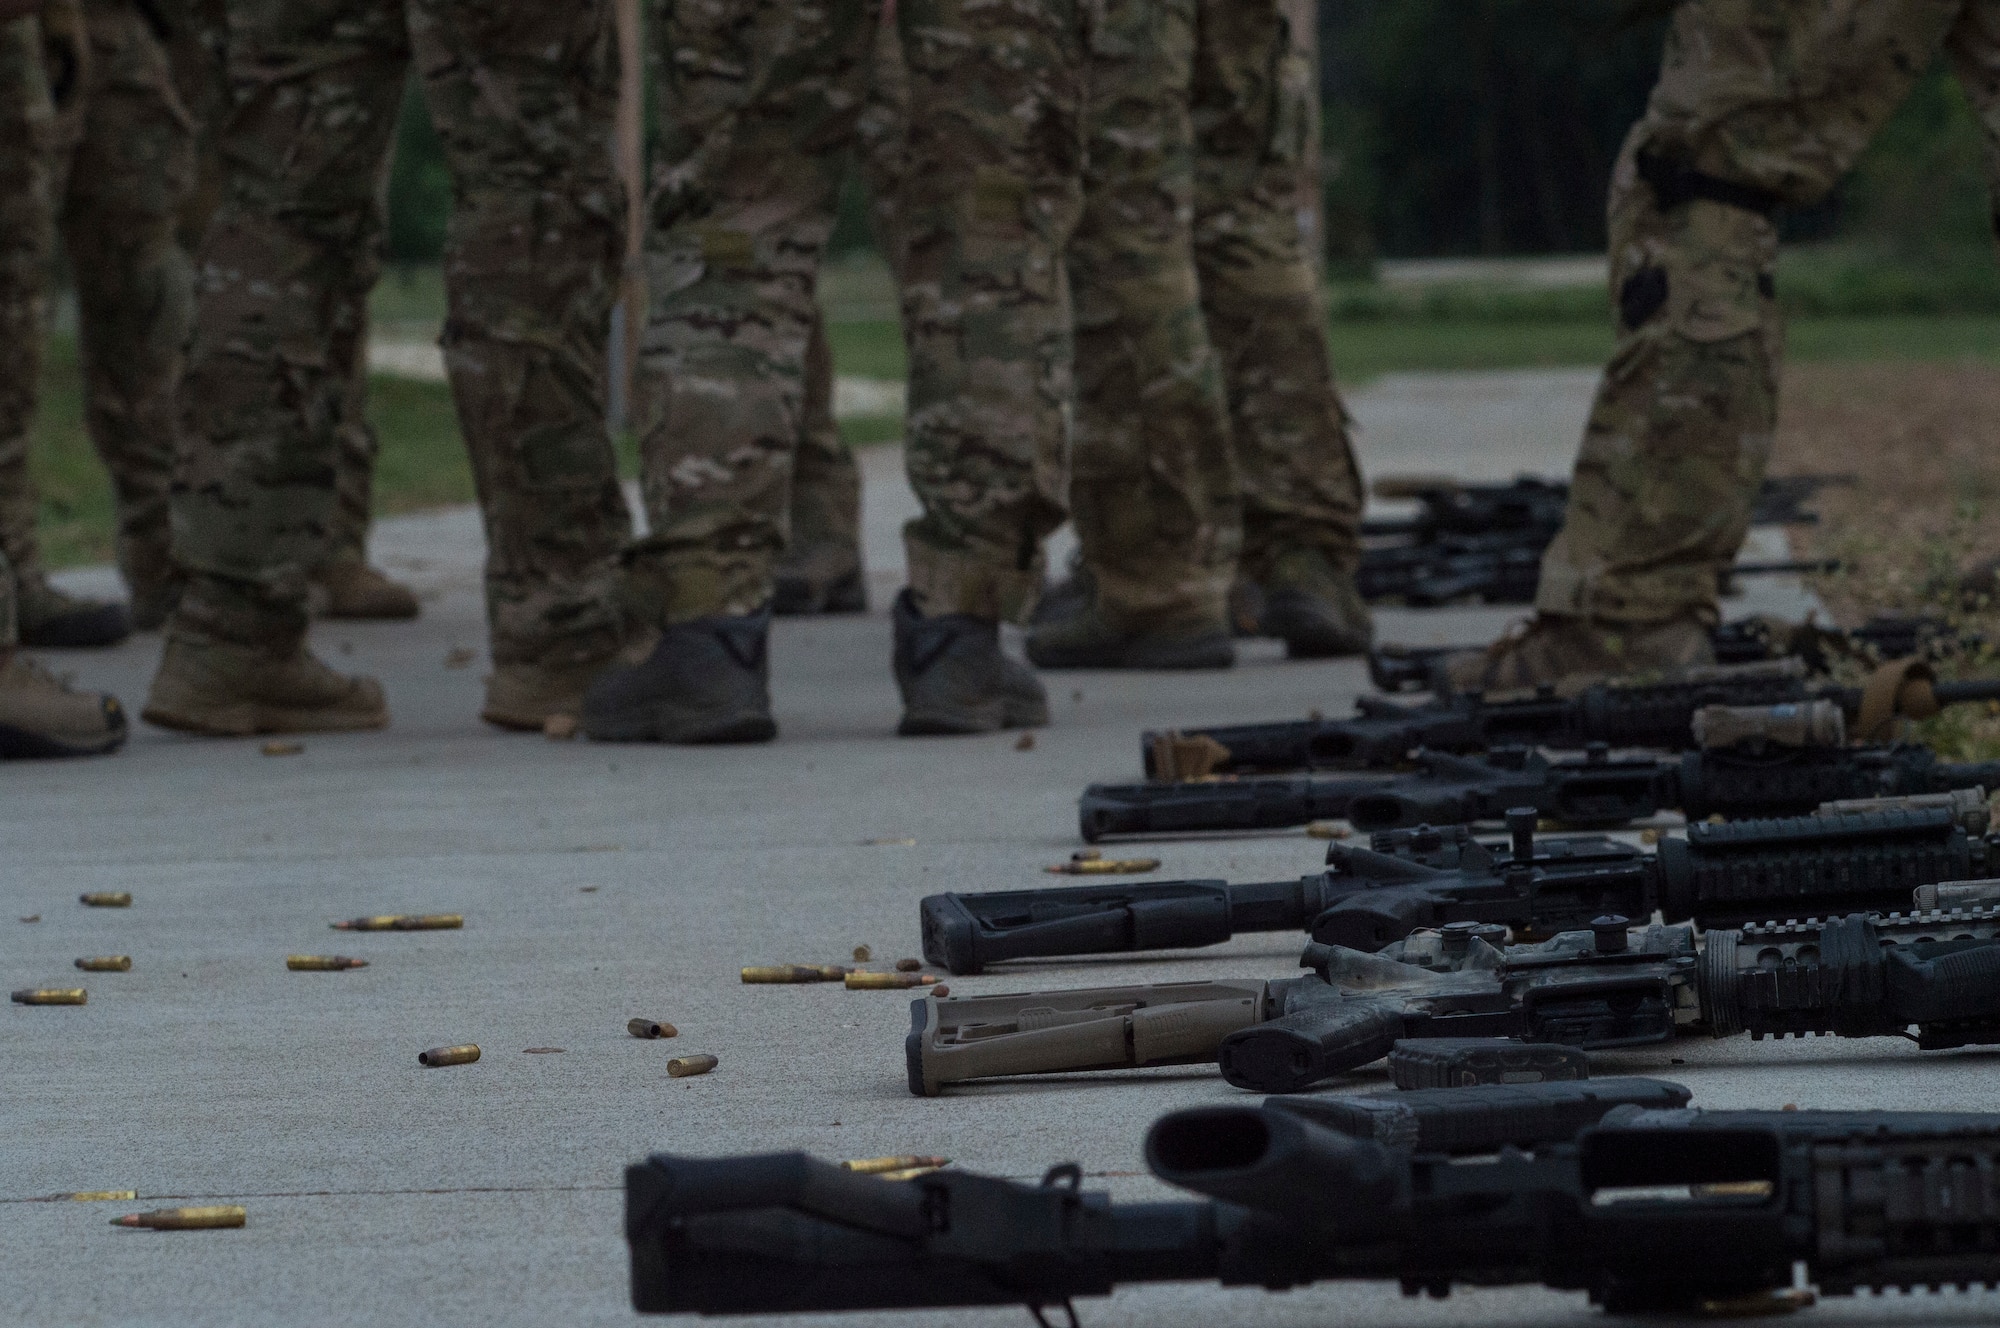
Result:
[
  {"x": 758, "y": 100},
  {"x": 128, "y": 180},
  {"x": 523, "y": 98},
  {"x": 1256, "y": 100},
  {"x": 821, "y": 571},
  {"x": 315, "y": 87},
  {"x": 1153, "y": 488},
  {"x": 1759, "y": 105}
]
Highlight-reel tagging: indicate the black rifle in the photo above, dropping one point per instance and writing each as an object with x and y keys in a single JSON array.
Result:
[
  {"x": 1865, "y": 975},
  {"x": 1646, "y": 1210},
  {"x": 1427, "y": 877},
  {"x": 1747, "y": 641},
  {"x": 1384, "y": 733},
  {"x": 1597, "y": 791}
]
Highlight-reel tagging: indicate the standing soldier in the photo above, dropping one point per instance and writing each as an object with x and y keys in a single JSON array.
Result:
[
  {"x": 522, "y": 97},
  {"x": 1759, "y": 106},
  {"x": 39, "y": 715},
  {"x": 1200, "y": 163}
]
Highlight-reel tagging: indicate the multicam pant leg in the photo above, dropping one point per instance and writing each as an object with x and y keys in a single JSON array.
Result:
[
  {"x": 27, "y": 125},
  {"x": 1153, "y": 487},
  {"x": 1256, "y": 105},
  {"x": 128, "y": 177},
  {"x": 826, "y": 481},
  {"x": 1760, "y": 104},
  {"x": 523, "y": 96},
  {"x": 992, "y": 195},
  {"x": 760, "y": 99}
]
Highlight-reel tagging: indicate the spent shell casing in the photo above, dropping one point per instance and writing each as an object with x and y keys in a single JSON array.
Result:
[
  {"x": 1104, "y": 867},
  {"x": 437, "y": 1056},
  {"x": 106, "y": 964},
  {"x": 50, "y": 996},
  {"x": 888, "y": 981},
  {"x": 786, "y": 973},
  {"x": 208, "y": 1218},
  {"x": 99, "y": 1196},
  {"x": 876, "y": 1166},
  {"x": 404, "y": 922},
  {"x": 683, "y": 1067},
  {"x": 106, "y": 899},
  {"x": 323, "y": 963},
  {"x": 862, "y": 954},
  {"x": 650, "y": 1028}
]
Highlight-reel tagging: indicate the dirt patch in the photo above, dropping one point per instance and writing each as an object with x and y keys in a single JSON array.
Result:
[{"x": 1924, "y": 440}]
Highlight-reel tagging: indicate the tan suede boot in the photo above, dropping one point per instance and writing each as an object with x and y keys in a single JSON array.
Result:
[
  {"x": 349, "y": 588},
  {"x": 230, "y": 690},
  {"x": 41, "y": 715}
]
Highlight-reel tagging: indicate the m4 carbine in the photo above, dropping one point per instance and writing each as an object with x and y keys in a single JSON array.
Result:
[
  {"x": 1865, "y": 975},
  {"x": 1865, "y": 857},
  {"x": 1655, "y": 714},
  {"x": 1645, "y": 1210},
  {"x": 1595, "y": 791}
]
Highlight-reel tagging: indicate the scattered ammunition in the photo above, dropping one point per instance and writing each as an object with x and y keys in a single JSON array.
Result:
[
  {"x": 939, "y": 990},
  {"x": 284, "y": 749},
  {"x": 106, "y": 899},
  {"x": 559, "y": 728},
  {"x": 185, "y": 1219},
  {"x": 889, "y": 981},
  {"x": 404, "y": 922},
  {"x": 1761, "y": 1304},
  {"x": 98, "y": 1196},
  {"x": 322, "y": 963},
  {"x": 438, "y": 1056},
  {"x": 1086, "y": 855},
  {"x": 908, "y": 1173},
  {"x": 1104, "y": 867},
  {"x": 650, "y": 1028},
  {"x": 682, "y": 1067},
  {"x": 543, "y": 1051},
  {"x": 862, "y": 954},
  {"x": 876, "y": 1166},
  {"x": 1328, "y": 830},
  {"x": 909, "y": 965},
  {"x": 49, "y": 996},
  {"x": 787, "y": 973},
  {"x": 106, "y": 964},
  {"x": 890, "y": 841}
]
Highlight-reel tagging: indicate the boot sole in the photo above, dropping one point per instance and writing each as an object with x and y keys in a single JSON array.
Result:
[
  {"x": 990, "y": 718},
  {"x": 18, "y": 744},
  {"x": 516, "y": 722},
  {"x": 246, "y": 721},
  {"x": 654, "y": 726}
]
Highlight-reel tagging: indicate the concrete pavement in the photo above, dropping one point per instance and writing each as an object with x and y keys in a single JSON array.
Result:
[{"x": 600, "y": 883}]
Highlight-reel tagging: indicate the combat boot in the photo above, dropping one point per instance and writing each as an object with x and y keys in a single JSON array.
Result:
[
  {"x": 955, "y": 679},
  {"x": 50, "y": 620},
  {"x": 41, "y": 715},
  {"x": 820, "y": 578},
  {"x": 706, "y": 681},
  {"x": 1084, "y": 639},
  {"x": 1313, "y": 607},
  {"x": 225, "y": 689},
  {"x": 350, "y": 588},
  {"x": 1075, "y": 593},
  {"x": 154, "y": 598},
  {"x": 1571, "y": 652},
  {"x": 526, "y": 696}
]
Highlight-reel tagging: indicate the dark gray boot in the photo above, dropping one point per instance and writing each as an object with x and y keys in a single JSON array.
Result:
[
  {"x": 706, "y": 681},
  {"x": 954, "y": 679}
]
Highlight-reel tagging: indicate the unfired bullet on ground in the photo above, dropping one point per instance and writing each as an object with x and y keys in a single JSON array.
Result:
[
  {"x": 438, "y": 1056},
  {"x": 208, "y": 1218},
  {"x": 790, "y": 973},
  {"x": 1104, "y": 867},
  {"x": 403, "y": 922},
  {"x": 322, "y": 963},
  {"x": 98, "y": 1196},
  {"x": 888, "y": 981},
  {"x": 106, "y": 964},
  {"x": 106, "y": 899},
  {"x": 879, "y": 1166},
  {"x": 50, "y": 996},
  {"x": 682, "y": 1067},
  {"x": 650, "y": 1028}
]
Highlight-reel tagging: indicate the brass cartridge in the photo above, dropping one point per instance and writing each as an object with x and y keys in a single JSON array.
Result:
[
  {"x": 889, "y": 981},
  {"x": 50, "y": 996},
  {"x": 439, "y": 1056},
  {"x": 322, "y": 963},
  {"x": 682, "y": 1067},
  {"x": 650, "y": 1028},
  {"x": 106, "y": 899},
  {"x": 106, "y": 964},
  {"x": 208, "y": 1218},
  {"x": 404, "y": 922}
]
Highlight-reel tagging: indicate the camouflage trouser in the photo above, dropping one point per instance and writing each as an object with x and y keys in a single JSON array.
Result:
[
  {"x": 1153, "y": 489},
  {"x": 993, "y": 193},
  {"x": 1256, "y": 104},
  {"x": 759, "y": 100},
  {"x": 26, "y": 237},
  {"x": 1760, "y": 104},
  {"x": 522, "y": 97}
]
